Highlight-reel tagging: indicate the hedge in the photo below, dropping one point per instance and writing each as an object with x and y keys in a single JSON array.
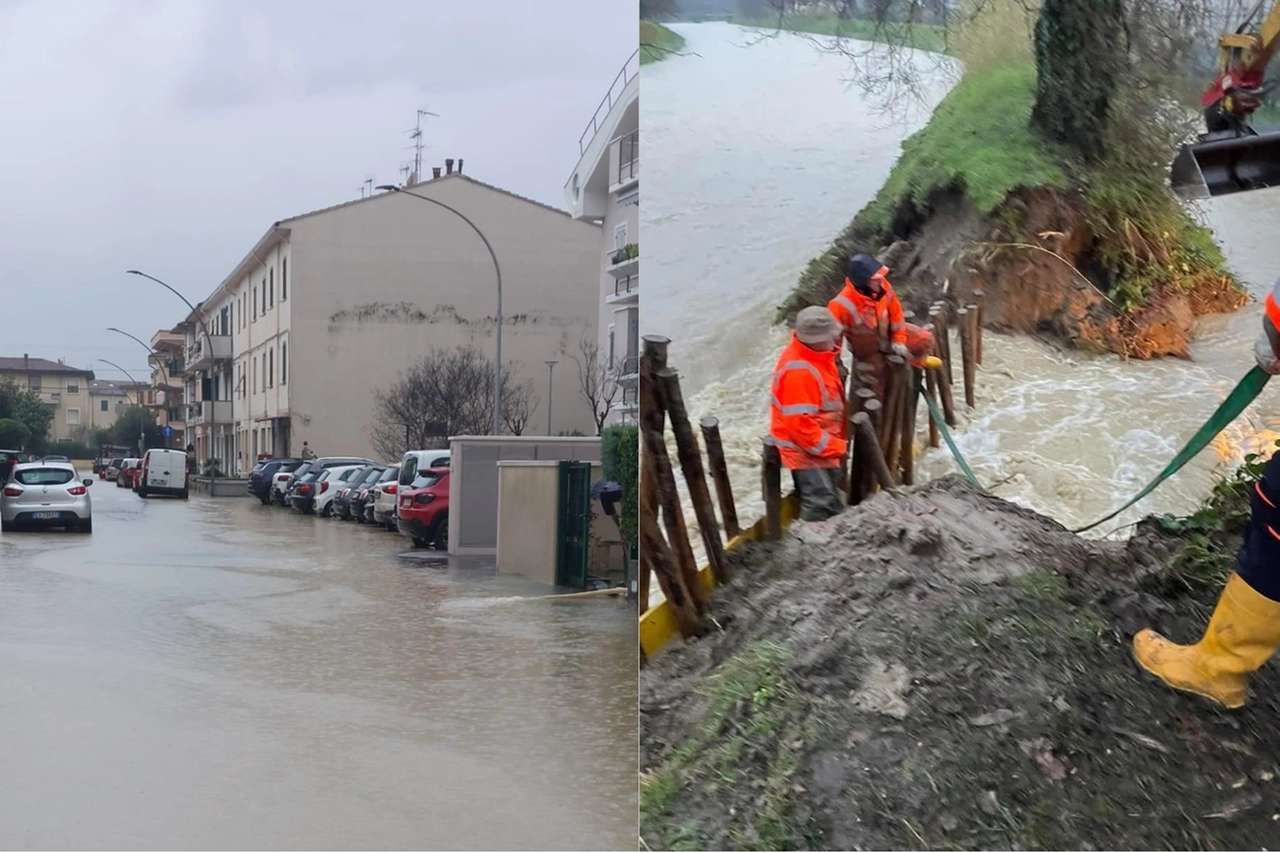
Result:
[{"x": 620, "y": 458}]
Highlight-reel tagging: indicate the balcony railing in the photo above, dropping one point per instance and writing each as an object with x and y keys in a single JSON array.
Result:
[
  {"x": 203, "y": 353},
  {"x": 625, "y": 261},
  {"x": 625, "y": 291},
  {"x": 628, "y": 369},
  {"x": 629, "y": 70},
  {"x": 628, "y": 157},
  {"x": 209, "y": 412}
]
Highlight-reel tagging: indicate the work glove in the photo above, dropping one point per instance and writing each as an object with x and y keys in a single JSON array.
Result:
[
  {"x": 900, "y": 349},
  {"x": 1265, "y": 355}
]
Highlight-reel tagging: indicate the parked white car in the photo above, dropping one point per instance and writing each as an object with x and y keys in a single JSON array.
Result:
[
  {"x": 330, "y": 481},
  {"x": 46, "y": 494},
  {"x": 384, "y": 508}
]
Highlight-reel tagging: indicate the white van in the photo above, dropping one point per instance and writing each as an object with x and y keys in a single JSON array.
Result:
[{"x": 164, "y": 472}]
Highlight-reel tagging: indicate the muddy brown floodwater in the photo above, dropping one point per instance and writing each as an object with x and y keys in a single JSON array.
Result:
[{"x": 219, "y": 674}]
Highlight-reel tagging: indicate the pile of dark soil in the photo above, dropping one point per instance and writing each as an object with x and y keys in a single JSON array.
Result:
[{"x": 946, "y": 670}]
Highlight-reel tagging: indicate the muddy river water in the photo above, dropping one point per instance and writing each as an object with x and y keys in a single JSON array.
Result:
[
  {"x": 758, "y": 152},
  {"x": 218, "y": 674}
]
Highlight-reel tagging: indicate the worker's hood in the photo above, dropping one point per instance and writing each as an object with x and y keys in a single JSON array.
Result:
[{"x": 861, "y": 270}]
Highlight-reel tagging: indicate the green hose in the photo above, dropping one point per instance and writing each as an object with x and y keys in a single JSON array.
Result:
[{"x": 1245, "y": 392}]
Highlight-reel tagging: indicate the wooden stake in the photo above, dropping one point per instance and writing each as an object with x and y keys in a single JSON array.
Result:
[
  {"x": 966, "y": 354},
  {"x": 891, "y": 429},
  {"x": 868, "y": 450},
  {"x": 978, "y": 298},
  {"x": 657, "y": 559},
  {"x": 771, "y": 485},
  {"x": 720, "y": 474},
  {"x": 972, "y": 379},
  {"x": 942, "y": 339},
  {"x": 931, "y": 390},
  {"x": 652, "y": 418},
  {"x": 874, "y": 410},
  {"x": 695, "y": 477},
  {"x": 909, "y": 425}
]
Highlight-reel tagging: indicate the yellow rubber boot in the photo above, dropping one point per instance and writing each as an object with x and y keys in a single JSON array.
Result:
[{"x": 1242, "y": 634}]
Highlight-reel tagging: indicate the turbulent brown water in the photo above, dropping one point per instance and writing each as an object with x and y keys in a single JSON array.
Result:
[{"x": 759, "y": 152}]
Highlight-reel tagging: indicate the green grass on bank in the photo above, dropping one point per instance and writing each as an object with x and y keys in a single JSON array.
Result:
[
  {"x": 979, "y": 140},
  {"x": 657, "y": 42},
  {"x": 920, "y": 36}
]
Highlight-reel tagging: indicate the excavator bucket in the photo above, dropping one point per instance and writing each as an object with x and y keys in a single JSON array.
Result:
[{"x": 1229, "y": 164}]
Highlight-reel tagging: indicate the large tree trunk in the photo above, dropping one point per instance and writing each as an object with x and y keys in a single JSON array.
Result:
[{"x": 1080, "y": 58}]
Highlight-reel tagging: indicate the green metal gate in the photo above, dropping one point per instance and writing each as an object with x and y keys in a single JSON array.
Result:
[{"x": 574, "y": 527}]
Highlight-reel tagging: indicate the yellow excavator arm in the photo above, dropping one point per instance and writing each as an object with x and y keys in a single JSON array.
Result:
[{"x": 1233, "y": 157}]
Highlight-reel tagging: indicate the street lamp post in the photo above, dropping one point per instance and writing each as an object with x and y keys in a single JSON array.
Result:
[
  {"x": 142, "y": 429},
  {"x": 551, "y": 366},
  {"x": 150, "y": 354},
  {"x": 497, "y": 366},
  {"x": 208, "y": 338}
]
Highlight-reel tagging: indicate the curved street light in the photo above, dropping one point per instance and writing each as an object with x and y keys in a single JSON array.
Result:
[
  {"x": 497, "y": 366},
  {"x": 150, "y": 352},
  {"x": 142, "y": 428},
  {"x": 208, "y": 339}
]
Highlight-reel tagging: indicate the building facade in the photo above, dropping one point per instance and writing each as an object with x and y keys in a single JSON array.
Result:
[
  {"x": 332, "y": 306},
  {"x": 61, "y": 386},
  {"x": 605, "y": 188},
  {"x": 168, "y": 384}
]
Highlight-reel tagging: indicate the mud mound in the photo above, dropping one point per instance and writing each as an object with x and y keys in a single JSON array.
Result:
[{"x": 942, "y": 670}]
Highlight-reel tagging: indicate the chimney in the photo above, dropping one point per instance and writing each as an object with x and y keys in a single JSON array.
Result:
[
  {"x": 448, "y": 166},
  {"x": 26, "y": 361},
  {"x": 435, "y": 171},
  {"x": 459, "y": 165}
]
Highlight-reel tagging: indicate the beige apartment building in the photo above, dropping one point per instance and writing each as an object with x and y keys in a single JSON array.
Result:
[
  {"x": 108, "y": 401},
  {"x": 605, "y": 188},
  {"x": 60, "y": 385},
  {"x": 330, "y": 306},
  {"x": 168, "y": 378}
]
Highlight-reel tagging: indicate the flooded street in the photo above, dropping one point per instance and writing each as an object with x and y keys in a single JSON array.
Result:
[
  {"x": 220, "y": 674},
  {"x": 761, "y": 154}
]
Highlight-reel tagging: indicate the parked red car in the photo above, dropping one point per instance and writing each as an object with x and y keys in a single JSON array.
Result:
[
  {"x": 128, "y": 477},
  {"x": 423, "y": 514}
]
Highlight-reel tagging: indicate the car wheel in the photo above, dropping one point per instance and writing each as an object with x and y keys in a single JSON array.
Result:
[
  {"x": 264, "y": 501},
  {"x": 185, "y": 494},
  {"x": 7, "y": 526},
  {"x": 142, "y": 493},
  {"x": 86, "y": 526},
  {"x": 327, "y": 512},
  {"x": 440, "y": 532},
  {"x": 419, "y": 542}
]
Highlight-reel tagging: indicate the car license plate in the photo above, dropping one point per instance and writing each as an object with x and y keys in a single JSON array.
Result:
[{"x": 45, "y": 514}]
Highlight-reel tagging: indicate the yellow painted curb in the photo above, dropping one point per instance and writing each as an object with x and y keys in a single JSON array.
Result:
[{"x": 658, "y": 626}]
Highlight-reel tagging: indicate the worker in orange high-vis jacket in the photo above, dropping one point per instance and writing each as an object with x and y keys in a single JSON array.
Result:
[
  {"x": 871, "y": 315},
  {"x": 1244, "y": 631},
  {"x": 807, "y": 413}
]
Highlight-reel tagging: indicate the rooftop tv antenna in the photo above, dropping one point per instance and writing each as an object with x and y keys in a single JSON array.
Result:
[{"x": 416, "y": 136}]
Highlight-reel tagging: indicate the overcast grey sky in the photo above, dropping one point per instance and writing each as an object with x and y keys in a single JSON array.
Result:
[{"x": 166, "y": 135}]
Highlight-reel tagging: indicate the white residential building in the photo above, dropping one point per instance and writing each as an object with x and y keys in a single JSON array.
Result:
[
  {"x": 605, "y": 188},
  {"x": 333, "y": 305}
]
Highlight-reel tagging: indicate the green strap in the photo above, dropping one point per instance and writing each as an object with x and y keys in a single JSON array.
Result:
[
  {"x": 946, "y": 436},
  {"x": 1237, "y": 401}
]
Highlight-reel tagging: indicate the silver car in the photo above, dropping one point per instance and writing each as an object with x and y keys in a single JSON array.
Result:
[{"x": 46, "y": 494}]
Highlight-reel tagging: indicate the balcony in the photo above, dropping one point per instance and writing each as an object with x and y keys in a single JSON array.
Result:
[
  {"x": 625, "y": 261},
  {"x": 205, "y": 352},
  {"x": 628, "y": 371},
  {"x": 626, "y": 291},
  {"x": 209, "y": 412},
  {"x": 625, "y": 151}
]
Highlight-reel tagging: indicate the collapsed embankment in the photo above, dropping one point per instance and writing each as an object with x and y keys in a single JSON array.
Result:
[
  {"x": 1101, "y": 256},
  {"x": 944, "y": 669}
]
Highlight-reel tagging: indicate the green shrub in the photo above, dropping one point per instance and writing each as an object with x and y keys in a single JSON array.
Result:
[
  {"x": 13, "y": 434},
  {"x": 620, "y": 458}
]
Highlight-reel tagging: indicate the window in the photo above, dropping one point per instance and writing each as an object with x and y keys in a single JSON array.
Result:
[
  {"x": 620, "y": 235},
  {"x": 284, "y": 358},
  {"x": 271, "y": 368},
  {"x": 264, "y": 296},
  {"x": 255, "y": 376},
  {"x": 44, "y": 476},
  {"x": 271, "y": 287},
  {"x": 264, "y": 373},
  {"x": 73, "y": 417},
  {"x": 34, "y": 383},
  {"x": 284, "y": 279},
  {"x": 255, "y": 303},
  {"x": 612, "y": 356},
  {"x": 73, "y": 387},
  {"x": 104, "y": 406}
]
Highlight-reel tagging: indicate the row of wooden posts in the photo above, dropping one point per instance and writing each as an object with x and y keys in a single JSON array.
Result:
[{"x": 882, "y": 412}]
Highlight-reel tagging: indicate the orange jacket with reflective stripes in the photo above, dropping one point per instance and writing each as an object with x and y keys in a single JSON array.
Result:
[
  {"x": 862, "y": 315},
  {"x": 807, "y": 409}
]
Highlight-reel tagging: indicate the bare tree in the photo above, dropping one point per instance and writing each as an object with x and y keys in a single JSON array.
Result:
[
  {"x": 448, "y": 392},
  {"x": 597, "y": 381},
  {"x": 518, "y": 403}
]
